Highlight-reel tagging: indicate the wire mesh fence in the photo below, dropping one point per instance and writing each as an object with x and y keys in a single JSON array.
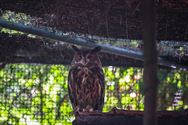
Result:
[{"x": 38, "y": 94}]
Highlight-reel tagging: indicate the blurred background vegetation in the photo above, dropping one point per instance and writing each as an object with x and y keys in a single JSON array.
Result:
[{"x": 37, "y": 94}]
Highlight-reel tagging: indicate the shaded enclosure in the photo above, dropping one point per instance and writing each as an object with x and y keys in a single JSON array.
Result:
[{"x": 35, "y": 58}]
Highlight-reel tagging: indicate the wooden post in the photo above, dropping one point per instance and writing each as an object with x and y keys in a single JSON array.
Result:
[{"x": 150, "y": 62}]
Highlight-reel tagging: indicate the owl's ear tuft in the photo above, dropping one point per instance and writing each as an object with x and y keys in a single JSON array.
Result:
[{"x": 75, "y": 48}]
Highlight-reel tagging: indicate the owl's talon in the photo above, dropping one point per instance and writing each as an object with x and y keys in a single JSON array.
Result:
[
  {"x": 84, "y": 110},
  {"x": 89, "y": 108}
]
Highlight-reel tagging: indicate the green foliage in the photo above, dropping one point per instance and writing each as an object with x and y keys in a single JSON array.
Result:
[
  {"x": 33, "y": 94},
  {"x": 37, "y": 94},
  {"x": 173, "y": 90}
]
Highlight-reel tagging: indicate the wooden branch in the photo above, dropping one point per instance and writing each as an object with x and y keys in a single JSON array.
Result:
[
  {"x": 126, "y": 117},
  {"x": 83, "y": 42},
  {"x": 134, "y": 113}
]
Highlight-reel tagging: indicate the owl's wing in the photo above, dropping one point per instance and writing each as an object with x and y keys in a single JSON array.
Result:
[
  {"x": 71, "y": 87},
  {"x": 101, "y": 79},
  {"x": 103, "y": 87}
]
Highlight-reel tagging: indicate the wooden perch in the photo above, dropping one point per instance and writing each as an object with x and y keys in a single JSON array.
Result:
[
  {"x": 83, "y": 42},
  {"x": 124, "y": 117}
]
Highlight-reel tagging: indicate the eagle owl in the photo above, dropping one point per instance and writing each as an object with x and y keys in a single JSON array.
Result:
[{"x": 86, "y": 81}]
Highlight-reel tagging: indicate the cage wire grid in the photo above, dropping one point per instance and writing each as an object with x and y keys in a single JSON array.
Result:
[{"x": 38, "y": 95}]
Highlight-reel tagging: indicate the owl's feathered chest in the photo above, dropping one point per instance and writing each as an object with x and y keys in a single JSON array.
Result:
[
  {"x": 86, "y": 80},
  {"x": 85, "y": 75}
]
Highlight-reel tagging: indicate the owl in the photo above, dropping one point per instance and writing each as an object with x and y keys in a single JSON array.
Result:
[{"x": 86, "y": 81}]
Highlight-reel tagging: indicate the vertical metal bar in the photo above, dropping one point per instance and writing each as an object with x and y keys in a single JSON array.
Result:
[{"x": 150, "y": 62}]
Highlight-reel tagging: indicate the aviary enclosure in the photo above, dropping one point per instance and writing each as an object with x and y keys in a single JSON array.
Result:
[{"x": 35, "y": 56}]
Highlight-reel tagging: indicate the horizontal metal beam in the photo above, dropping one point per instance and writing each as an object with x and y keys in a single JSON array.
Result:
[{"x": 79, "y": 40}]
